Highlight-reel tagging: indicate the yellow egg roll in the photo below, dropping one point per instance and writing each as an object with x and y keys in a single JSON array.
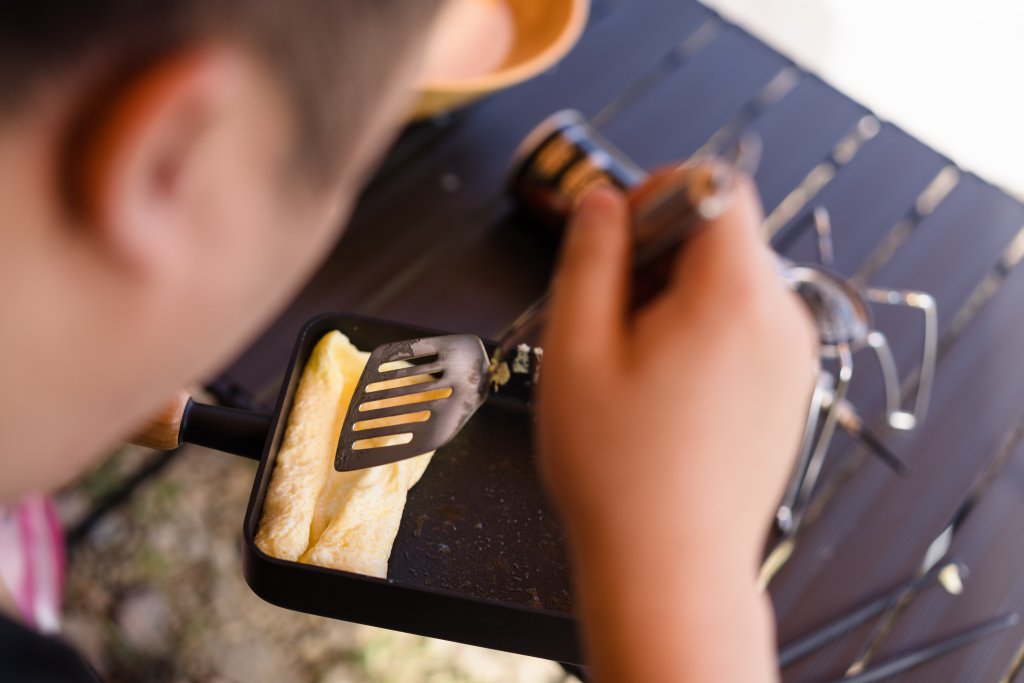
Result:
[{"x": 342, "y": 520}]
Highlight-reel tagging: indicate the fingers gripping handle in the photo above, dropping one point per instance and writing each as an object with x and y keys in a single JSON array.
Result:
[{"x": 665, "y": 211}]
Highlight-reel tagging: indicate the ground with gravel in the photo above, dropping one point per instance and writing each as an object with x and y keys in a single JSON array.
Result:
[{"x": 155, "y": 593}]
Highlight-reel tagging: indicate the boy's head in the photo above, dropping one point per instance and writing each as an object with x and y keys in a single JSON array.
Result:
[{"x": 169, "y": 173}]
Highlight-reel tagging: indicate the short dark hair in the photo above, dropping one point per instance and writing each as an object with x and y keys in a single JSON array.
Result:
[{"x": 332, "y": 57}]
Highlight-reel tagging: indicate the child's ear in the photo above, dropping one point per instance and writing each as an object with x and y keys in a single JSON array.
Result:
[{"x": 127, "y": 177}]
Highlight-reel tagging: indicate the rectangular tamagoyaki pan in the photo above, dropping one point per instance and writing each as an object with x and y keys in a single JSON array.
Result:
[{"x": 479, "y": 557}]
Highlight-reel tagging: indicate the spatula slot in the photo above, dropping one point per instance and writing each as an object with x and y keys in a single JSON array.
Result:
[
  {"x": 383, "y": 441},
  {"x": 397, "y": 382},
  {"x": 394, "y": 411},
  {"x": 400, "y": 419},
  {"x": 435, "y": 370},
  {"x": 400, "y": 363},
  {"x": 406, "y": 399}
]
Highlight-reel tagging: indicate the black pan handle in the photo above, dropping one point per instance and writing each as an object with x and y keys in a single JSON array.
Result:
[
  {"x": 232, "y": 430},
  {"x": 184, "y": 420}
]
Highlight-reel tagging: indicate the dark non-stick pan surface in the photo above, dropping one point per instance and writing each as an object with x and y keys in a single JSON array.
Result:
[{"x": 479, "y": 557}]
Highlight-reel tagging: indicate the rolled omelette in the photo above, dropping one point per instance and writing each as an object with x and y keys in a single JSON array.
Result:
[
  {"x": 370, "y": 504},
  {"x": 342, "y": 520}
]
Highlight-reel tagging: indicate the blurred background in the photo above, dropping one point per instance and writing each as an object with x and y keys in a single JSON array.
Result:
[
  {"x": 946, "y": 71},
  {"x": 155, "y": 588},
  {"x": 155, "y": 593}
]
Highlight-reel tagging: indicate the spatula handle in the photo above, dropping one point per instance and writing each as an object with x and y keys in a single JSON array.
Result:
[
  {"x": 526, "y": 327},
  {"x": 666, "y": 211}
]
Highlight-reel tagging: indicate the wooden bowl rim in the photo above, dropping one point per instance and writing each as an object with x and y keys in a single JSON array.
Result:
[{"x": 578, "y": 14}]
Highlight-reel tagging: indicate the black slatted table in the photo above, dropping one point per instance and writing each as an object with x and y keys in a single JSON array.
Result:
[{"x": 435, "y": 242}]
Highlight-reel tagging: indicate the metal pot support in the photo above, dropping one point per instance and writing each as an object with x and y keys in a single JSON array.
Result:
[{"x": 843, "y": 315}]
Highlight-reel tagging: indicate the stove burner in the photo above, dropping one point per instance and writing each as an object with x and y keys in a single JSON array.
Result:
[{"x": 843, "y": 316}]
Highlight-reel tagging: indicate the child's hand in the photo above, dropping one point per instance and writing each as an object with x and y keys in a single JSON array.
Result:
[
  {"x": 678, "y": 425},
  {"x": 666, "y": 439}
]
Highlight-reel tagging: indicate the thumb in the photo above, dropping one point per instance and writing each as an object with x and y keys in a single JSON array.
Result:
[{"x": 591, "y": 287}]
